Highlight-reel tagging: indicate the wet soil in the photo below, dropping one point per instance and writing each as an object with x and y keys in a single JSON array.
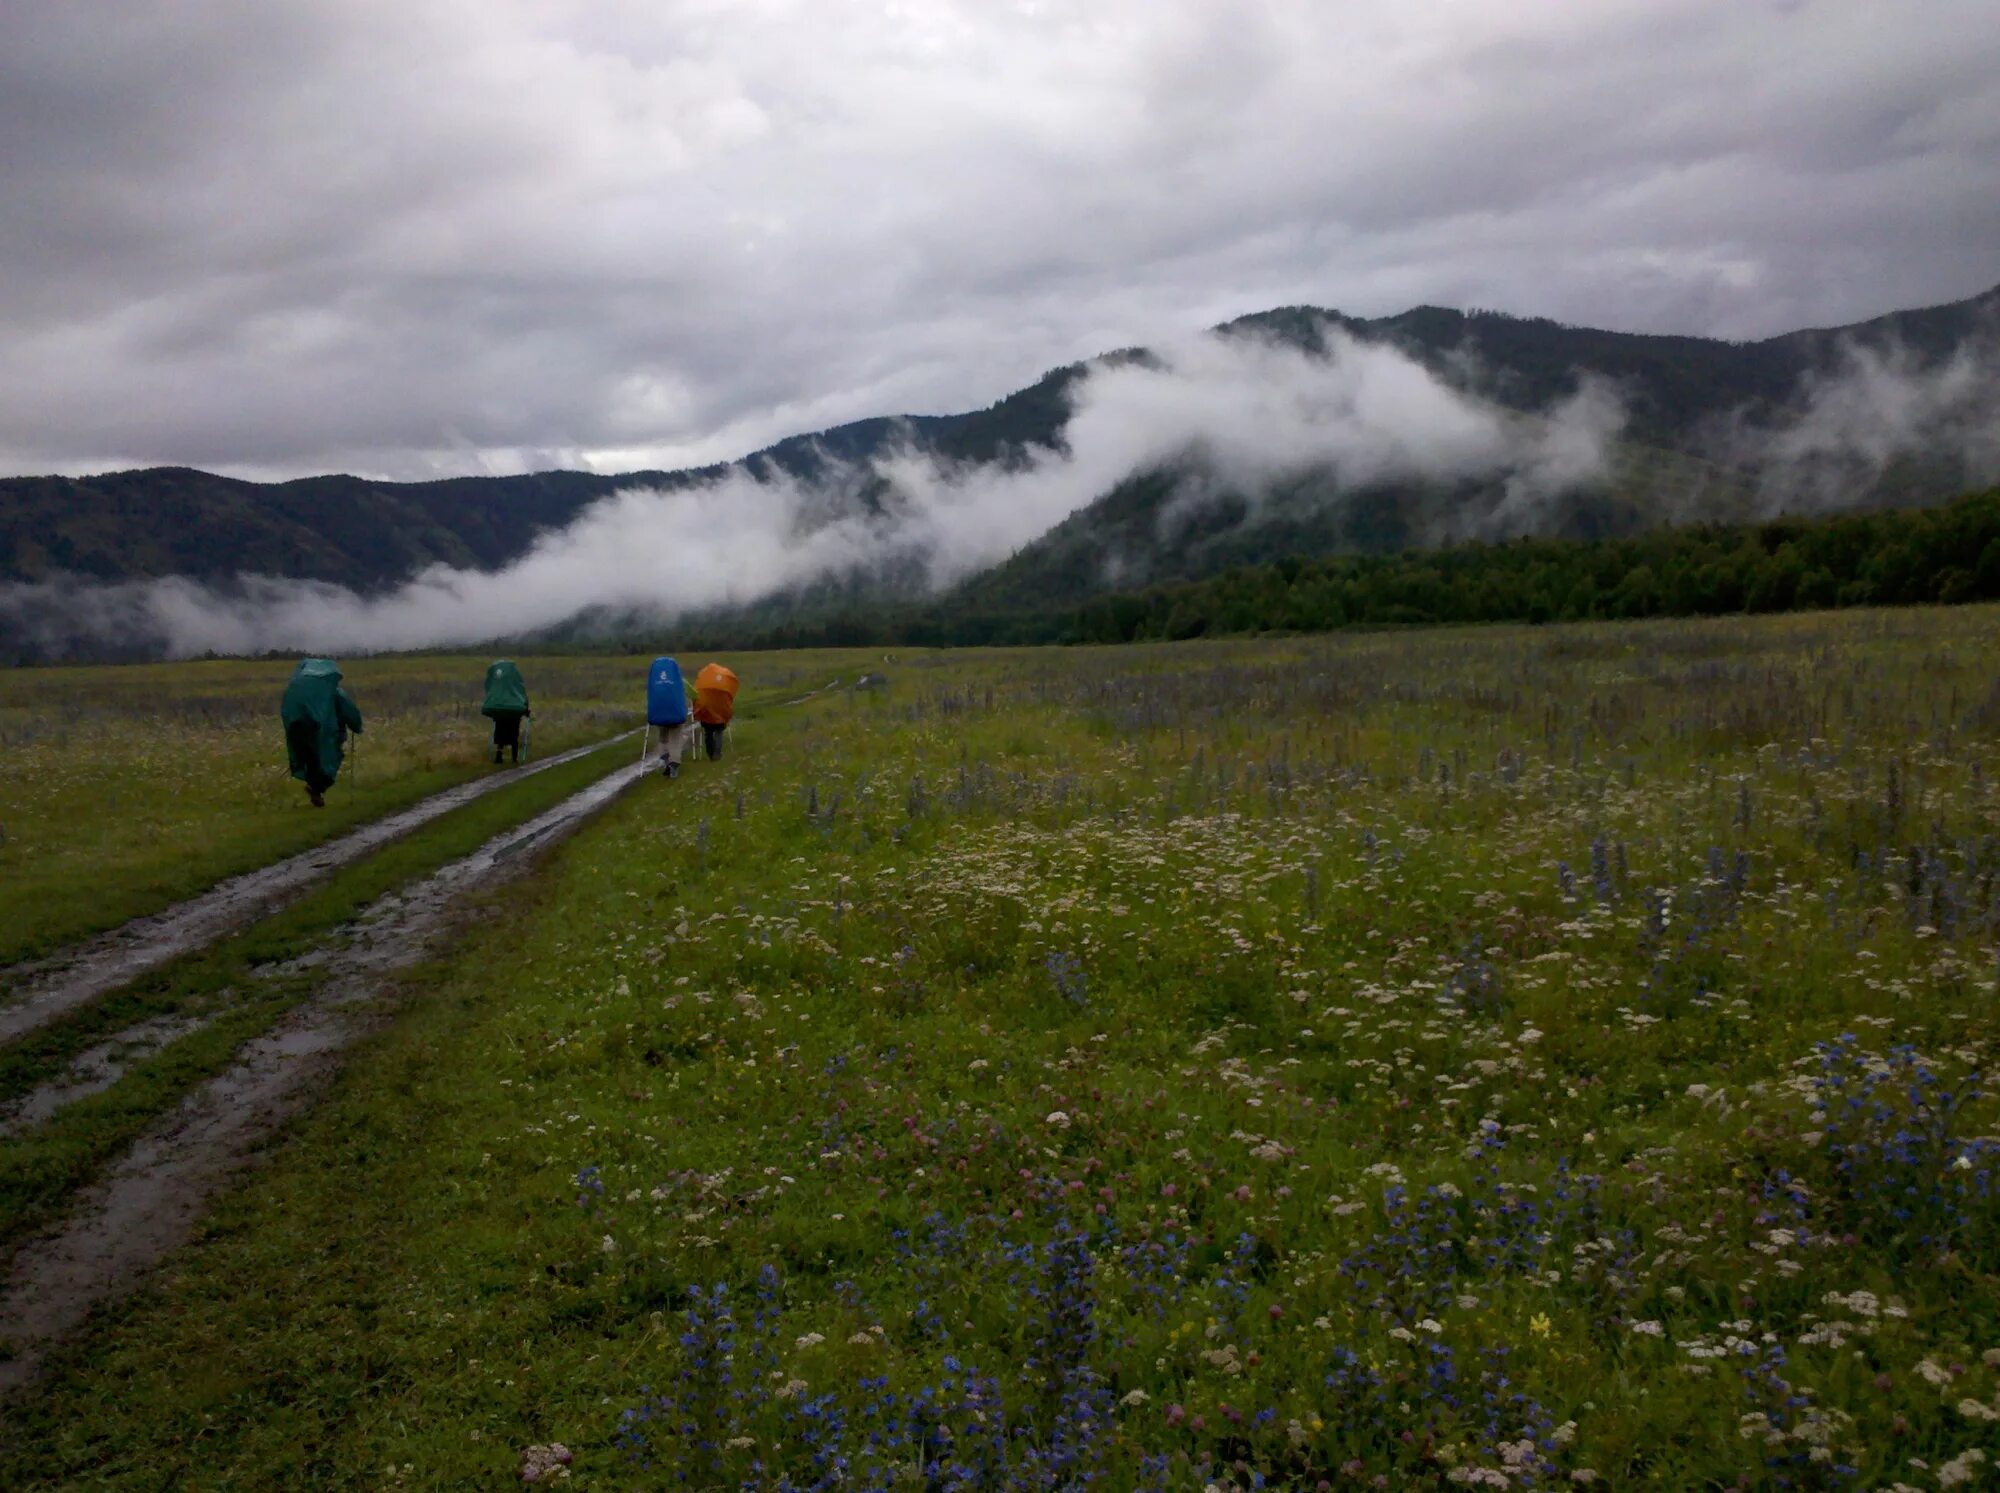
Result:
[
  {"x": 151, "y": 1200},
  {"x": 37, "y": 993},
  {"x": 96, "y": 1069}
]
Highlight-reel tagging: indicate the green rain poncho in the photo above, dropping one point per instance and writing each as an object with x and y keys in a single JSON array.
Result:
[
  {"x": 317, "y": 714},
  {"x": 506, "y": 691}
]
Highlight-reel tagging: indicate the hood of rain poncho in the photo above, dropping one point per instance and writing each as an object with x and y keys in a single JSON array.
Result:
[
  {"x": 315, "y": 709},
  {"x": 666, "y": 694},
  {"x": 506, "y": 690},
  {"x": 714, "y": 695}
]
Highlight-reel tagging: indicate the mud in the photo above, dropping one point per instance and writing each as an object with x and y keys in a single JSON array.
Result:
[
  {"x": 151, "y": 1200},
  {"x": 38, "y": 993},
  {"x": 95, "y": 1070}
]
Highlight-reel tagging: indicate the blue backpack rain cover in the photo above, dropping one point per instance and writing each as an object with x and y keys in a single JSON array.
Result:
[{"x": 666, "y": 696}]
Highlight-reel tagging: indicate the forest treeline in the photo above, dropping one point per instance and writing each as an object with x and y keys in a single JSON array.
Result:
[{"x": 1949, "y": 553}]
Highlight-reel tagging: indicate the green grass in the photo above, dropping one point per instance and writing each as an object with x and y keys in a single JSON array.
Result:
[
  {"x": 238, "y": 985},
  {"x": 126, "y": 789},
  {"x": 1174, "y": 1035}
]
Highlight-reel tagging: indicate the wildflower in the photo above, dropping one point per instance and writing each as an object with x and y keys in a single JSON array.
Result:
[
  {"x": 1539, "y": 1324},
  {"x": 1960, "y": 1469},
  {"x": 1057, "y": 1120},
  {"x": 1648, "y": 1329},
  {"x": 549, "y": 1463},
  {"x": 812, "y": 1340},
  {"x": 1135, "y": 1399}
]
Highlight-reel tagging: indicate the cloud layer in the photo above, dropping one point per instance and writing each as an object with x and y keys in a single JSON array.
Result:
[
  {"x": 405, "y": 237},
  {"x": 1881, "y": 410},
  {"x": 1242, "y": 412}
]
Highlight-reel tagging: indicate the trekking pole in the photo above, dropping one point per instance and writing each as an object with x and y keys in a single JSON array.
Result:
[
  {"x": 527, "y": 731},
  {"x": 645, "y": 741}
]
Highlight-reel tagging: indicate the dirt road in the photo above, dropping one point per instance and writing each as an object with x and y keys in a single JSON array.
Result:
[
  {"x": 38, "y": 993},
  {"x": 150, "y": 1201}
]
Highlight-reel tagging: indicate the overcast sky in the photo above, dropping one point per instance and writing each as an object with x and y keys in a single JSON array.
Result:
[{"x": 416, "y": 237}]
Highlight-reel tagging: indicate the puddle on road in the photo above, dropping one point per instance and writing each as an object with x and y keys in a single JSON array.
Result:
[
  {"x": 151, "y": 1199},
  {"x": 96, "y": 1069},
  {"x": 38, "y": 993}
]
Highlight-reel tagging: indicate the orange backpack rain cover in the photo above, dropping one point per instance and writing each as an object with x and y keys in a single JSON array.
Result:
[{"x": 714, "y": 695}]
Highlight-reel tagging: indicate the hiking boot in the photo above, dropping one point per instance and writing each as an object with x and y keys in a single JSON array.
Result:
[
  {"x": 496, "y": 756},
  {"x": 673, "y": 769},
  {"x": 318, "y": 798}
]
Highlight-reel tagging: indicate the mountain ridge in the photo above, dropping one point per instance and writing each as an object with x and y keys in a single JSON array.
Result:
[{"x": 1676, "y": 392}]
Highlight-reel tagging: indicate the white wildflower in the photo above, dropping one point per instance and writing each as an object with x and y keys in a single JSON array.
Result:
[{"x": 1960, "y": 1469}]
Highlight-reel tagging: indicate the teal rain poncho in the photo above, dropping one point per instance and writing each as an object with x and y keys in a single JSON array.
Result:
[
  {"x": 317, "y": 714},
  {"x": 506, "y": 690}
]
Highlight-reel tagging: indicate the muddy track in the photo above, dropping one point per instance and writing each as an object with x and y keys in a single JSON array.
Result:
[
  {"x": 153, "y": 1197},
  {"x": 38, "y": 993}
]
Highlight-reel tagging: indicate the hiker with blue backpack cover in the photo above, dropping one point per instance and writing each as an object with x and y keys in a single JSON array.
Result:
[{"x": 667, "y": 708}]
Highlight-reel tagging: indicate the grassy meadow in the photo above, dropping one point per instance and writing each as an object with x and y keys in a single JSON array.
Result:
[
  {"x": 125, "y": 789},
  {"x": 1500, "y": 1058}
]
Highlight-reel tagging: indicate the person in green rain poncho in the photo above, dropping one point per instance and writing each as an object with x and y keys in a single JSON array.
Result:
[
  {"x": 506, "y": 704},
  {"x": 318, "y": 715}
]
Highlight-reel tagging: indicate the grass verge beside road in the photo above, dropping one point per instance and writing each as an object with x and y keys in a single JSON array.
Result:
[{"x": 238, "y": 987}]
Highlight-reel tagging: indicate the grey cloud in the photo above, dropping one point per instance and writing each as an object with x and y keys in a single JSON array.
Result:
[{"x": 434, "y": 235}]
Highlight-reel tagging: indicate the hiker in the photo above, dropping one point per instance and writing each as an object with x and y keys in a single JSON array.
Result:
[
  {"x": 507, "y": 705},
  {"x": 667, "y": 708},
  {"x": 714, "y": 704},
  {"x": 317, "y": 714}
]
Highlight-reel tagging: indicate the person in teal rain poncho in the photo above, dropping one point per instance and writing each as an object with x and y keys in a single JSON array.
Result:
[
  {"x": 318, "y": 715},
  {"x": 506, "y": 705}
]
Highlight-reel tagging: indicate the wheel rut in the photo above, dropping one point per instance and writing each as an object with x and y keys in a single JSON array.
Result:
[
  {"x": 40, "y": 992},
  {"x": 152, "y": 1199}
]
